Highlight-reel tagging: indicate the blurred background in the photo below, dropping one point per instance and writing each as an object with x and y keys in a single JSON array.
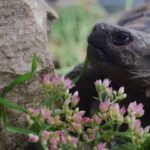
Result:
[{"x": 68, "y": 38}]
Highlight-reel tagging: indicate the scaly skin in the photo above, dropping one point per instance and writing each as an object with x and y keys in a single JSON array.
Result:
[{"x": 122, "y": 54}]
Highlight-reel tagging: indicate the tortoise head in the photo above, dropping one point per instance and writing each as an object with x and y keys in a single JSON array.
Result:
[{"x": 119, "y": 53}]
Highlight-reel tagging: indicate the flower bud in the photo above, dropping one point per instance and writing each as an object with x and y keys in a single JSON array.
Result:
[
  {"x": 33, "y": 138},
  {"x": 106, "y": 82},
  {"x": 121, "y": 90},
  {"x": 136, "y": 109},
  {"x": 75, "y": 99},
  {"x": 104, "y": 106}
]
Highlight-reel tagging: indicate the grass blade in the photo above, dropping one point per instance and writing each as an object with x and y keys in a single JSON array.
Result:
[
  {"x": 20, "y": 130},
  {"x": 12, "y": 105},
  {"x": 34, "y": 63}
]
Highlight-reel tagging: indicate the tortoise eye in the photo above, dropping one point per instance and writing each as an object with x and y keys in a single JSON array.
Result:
[{"x": 121, "y": 38}]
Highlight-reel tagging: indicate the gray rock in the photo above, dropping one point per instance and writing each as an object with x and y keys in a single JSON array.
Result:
[{"x": 23, "y": 33}]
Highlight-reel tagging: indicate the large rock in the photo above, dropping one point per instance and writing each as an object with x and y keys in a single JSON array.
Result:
[{"x": 23, "y": 33}]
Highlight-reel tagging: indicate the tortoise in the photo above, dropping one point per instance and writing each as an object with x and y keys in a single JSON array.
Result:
[{"x": 121, "y": 53}]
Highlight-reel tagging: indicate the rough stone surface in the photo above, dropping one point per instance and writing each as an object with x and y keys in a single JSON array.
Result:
[{"x": 23, "y": 32}]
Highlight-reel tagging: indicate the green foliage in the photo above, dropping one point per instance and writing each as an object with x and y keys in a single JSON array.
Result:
[
  {"x": 12, "y": 105},
  {"x": 146, "y": 144},
  {"x": 67, "y": 126},
  {"x": 127, "y": 146},
  {"x": 19, "y": 130},
  {"x": 21, "y": 79},
  {"x": 122, "y": 142},
  {"x": 55, "y": 92},
  {"x": 70, "y": 32}
]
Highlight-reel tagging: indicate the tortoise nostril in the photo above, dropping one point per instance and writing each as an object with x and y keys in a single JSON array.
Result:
[{"x": 99, "y": 27}]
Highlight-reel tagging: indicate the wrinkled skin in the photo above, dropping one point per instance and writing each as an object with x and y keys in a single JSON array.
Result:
[{"x": 122, "y": 54}]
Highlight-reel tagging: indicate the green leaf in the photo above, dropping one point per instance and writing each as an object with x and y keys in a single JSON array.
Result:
[
  {"x": 128, "y": 146},
  {"x": 20, "y": 130},
  {"x": 107, "y": 135},
  {"x": 12, "y": 105},
  {"x": 15, "y": 82},
  {"x": 34, "y": 63},
  {"x": 37, "y": 127},
  {"x": 52, "y": 99},
  {"x": 4, "y": 117},
  {"x": 21, "y": 79},
  {"x": 122, "y": 141},
  {"x": 146, "y": 145}
]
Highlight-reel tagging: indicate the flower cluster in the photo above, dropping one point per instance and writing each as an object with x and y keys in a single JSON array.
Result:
[
  {"x": 52, "y": 140},
  {"x": 66, "y": 127},
  {"x": 55, "y": 81},
  {"x": 56, "y": 90}
]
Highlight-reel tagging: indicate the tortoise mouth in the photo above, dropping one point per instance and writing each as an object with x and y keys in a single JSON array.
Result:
[
  {"x": 97, "y": 55},
  {"x": 101, "y": 56},
  {"x": 100, "y": 60}
]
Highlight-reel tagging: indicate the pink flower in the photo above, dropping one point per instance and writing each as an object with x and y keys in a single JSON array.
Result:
[
  {"x": 45, "y": 134},
  {"x": 97, "y": 119},
  {"x": 106, "y": 82},
  {"x": 87, "y": 120},
  {"x": 68, "y": 84},
  {"x": 59, "y": 132},
  {"x": 45, "y": 114},
  {"x": 122, "y": 111},
  {"x": 74, "y": 140},
  {"x": 137, "y": 123},
  {"x": 104, "y": 106},
  {"x": 34, "y": 112},
  {"x": 75, "y": 99},
  {"x": 136, "y": 109},
  {"x": 50, "y": 120},
  {"x": 63, "y": 139},
  {"x": 77, "y": 127},
  {"x": 53, "y": 141},
  {"x": 115, "y": 113},
  {"x": 56, "y": 80},
  {"x": 81, "y": 113},
  {"x": 101, "y": 146},
  {"x": 46, "y": 79},
  {"x": 138, "y": 129},
  {"x": 98, "y": 82},
  {"x": 77, "y": 117},
  {"x": 33, "y": 138}
]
